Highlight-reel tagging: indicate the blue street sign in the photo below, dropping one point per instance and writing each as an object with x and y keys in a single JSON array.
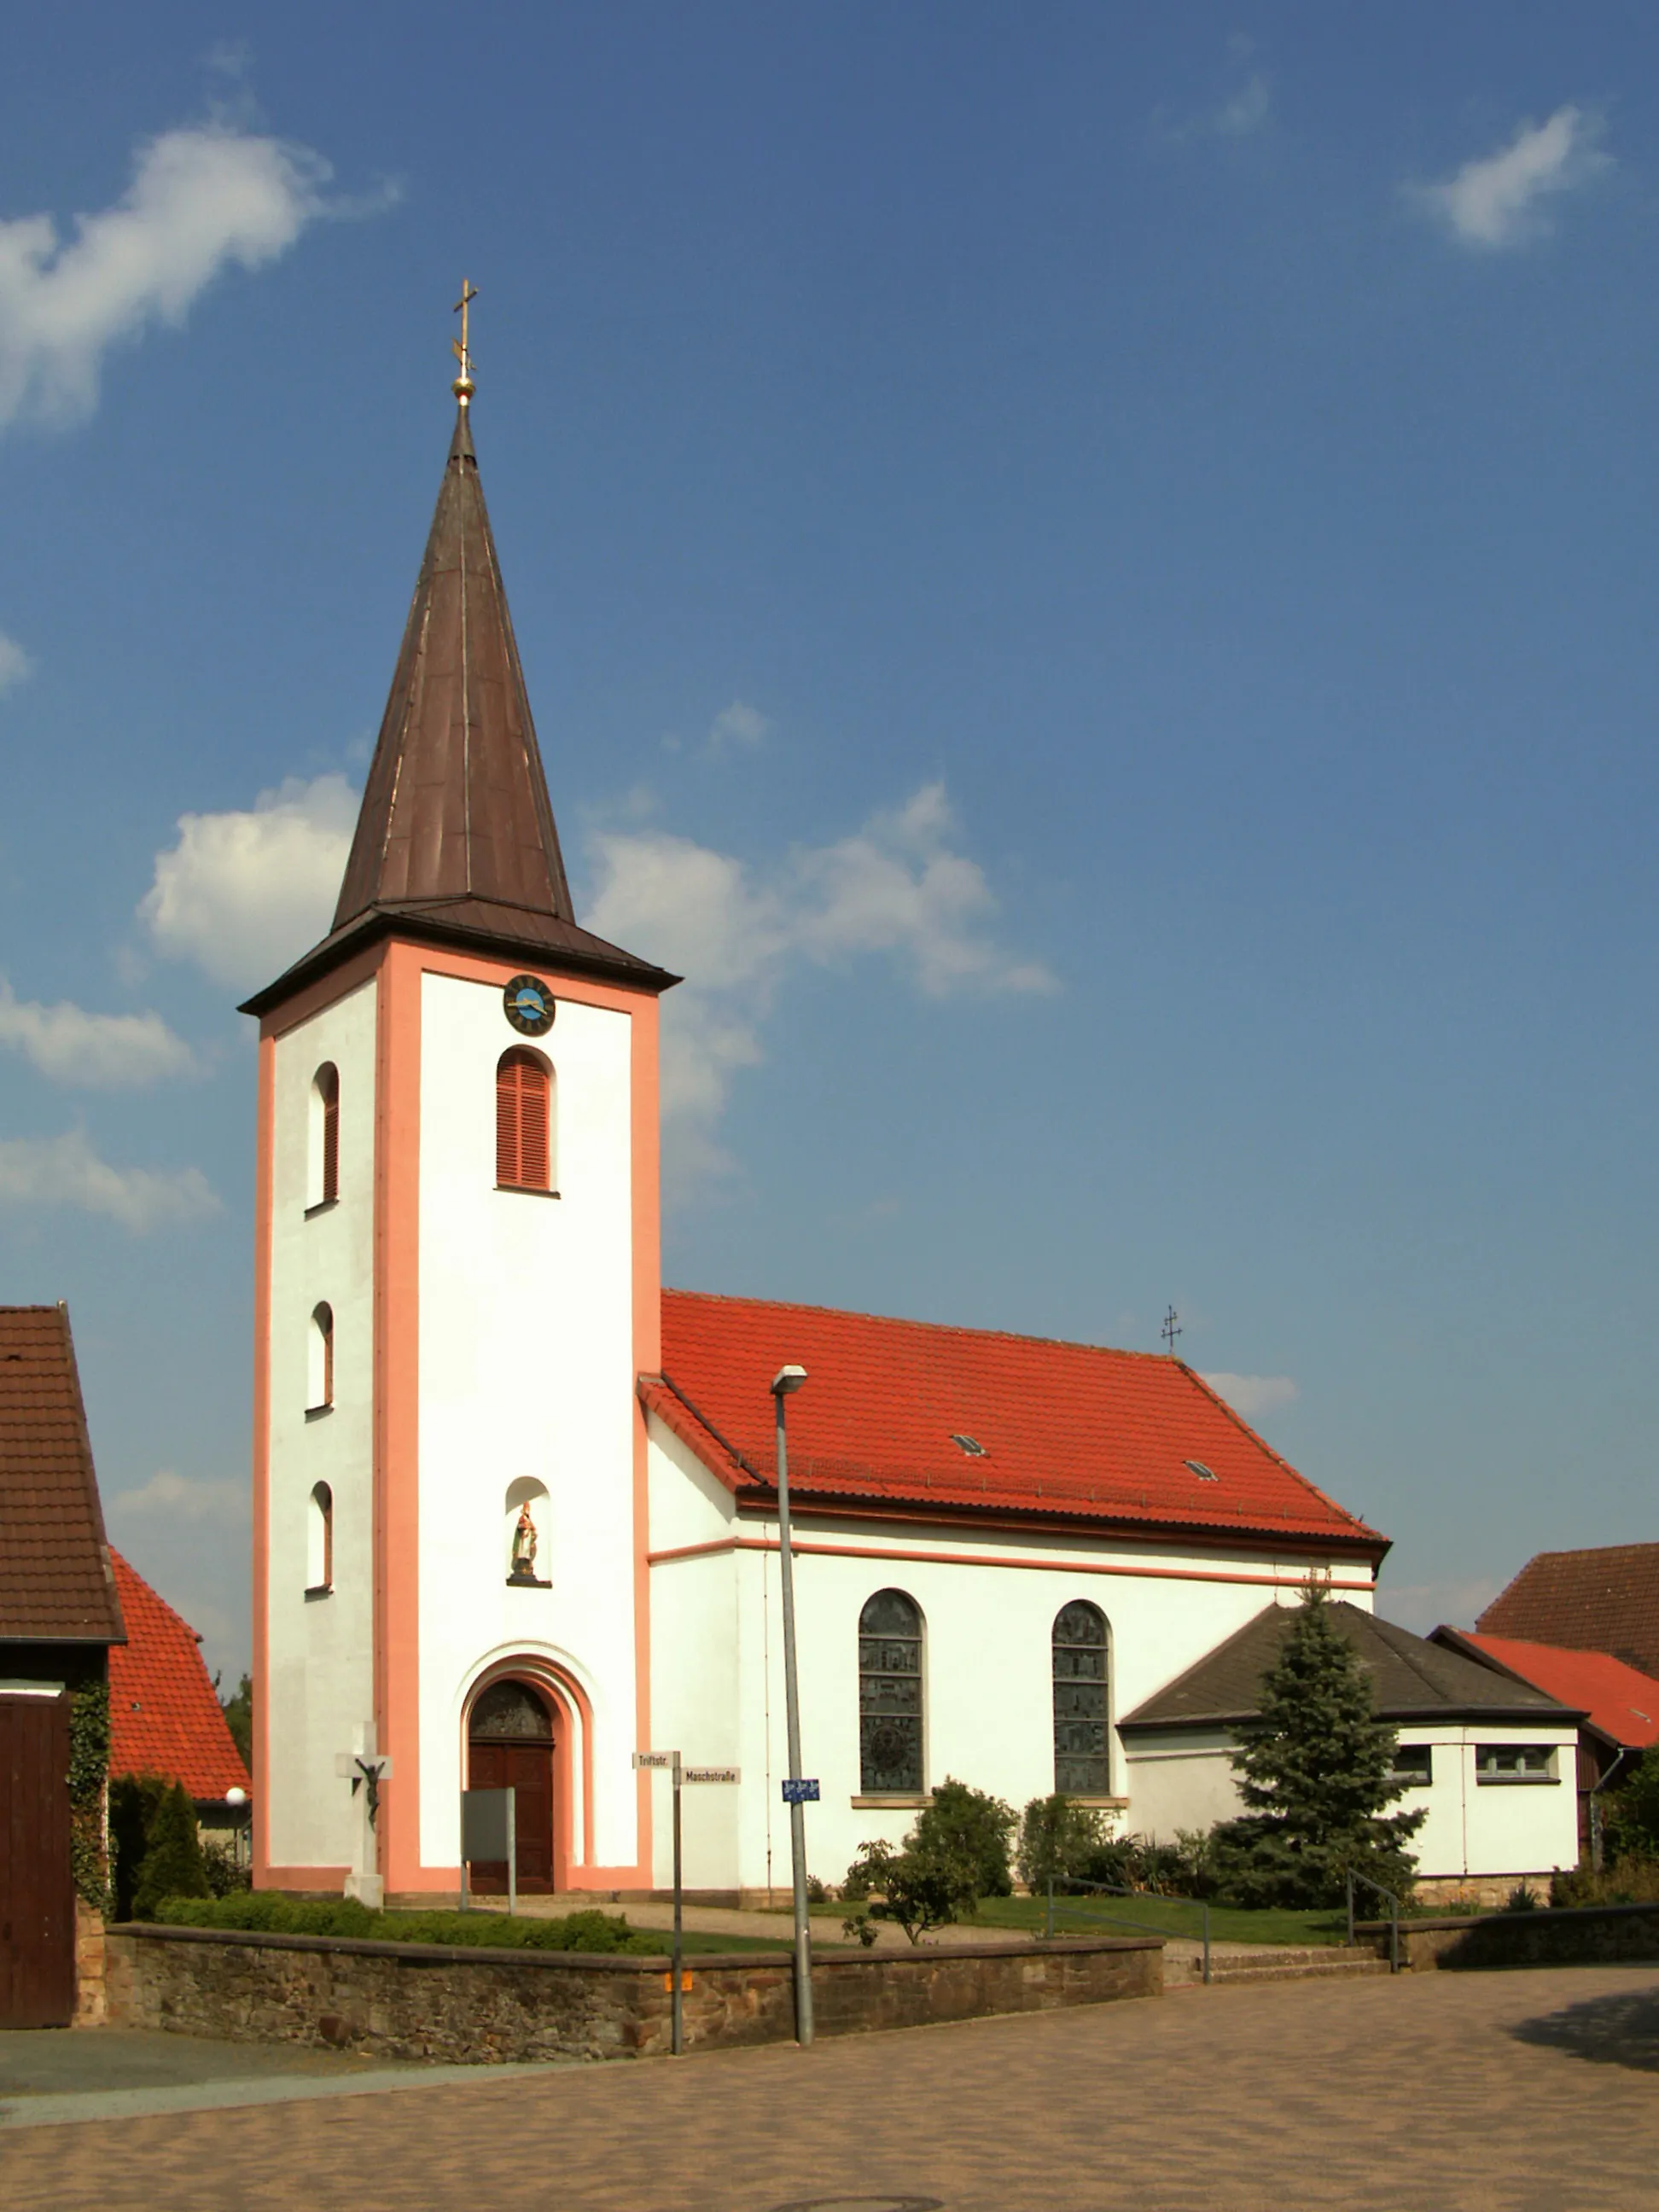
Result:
[{"x": 800, "y": 1792}]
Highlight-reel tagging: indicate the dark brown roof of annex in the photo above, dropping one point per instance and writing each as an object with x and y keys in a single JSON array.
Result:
[
  {"x": 456, "y": 843},
  {"x": 56, "y": 1583},
  {"x": 1411, "y": 1678}
]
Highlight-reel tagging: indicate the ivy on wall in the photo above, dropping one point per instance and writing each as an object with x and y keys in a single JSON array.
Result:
[{"x": 89, "y": 1775}]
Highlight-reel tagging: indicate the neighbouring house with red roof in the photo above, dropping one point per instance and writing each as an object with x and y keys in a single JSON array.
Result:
[
  {"x": 516, "y": 1506},
  {"x": 1605, "y": 1599},
  {"x": 1619, "y": 1702},
  {"x": 165, "y": 1716},
  {"x": 60, "y": 1617}
]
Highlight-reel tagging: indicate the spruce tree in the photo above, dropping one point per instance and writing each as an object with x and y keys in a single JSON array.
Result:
[
  {"x": 173, "y": 1863},
  {"x": 1316, "y": 1774}
]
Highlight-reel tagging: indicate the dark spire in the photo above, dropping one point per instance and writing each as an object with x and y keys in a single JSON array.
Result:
[
  {"x": 455, "y": 841},
  {"x": 456, "y": 806}
]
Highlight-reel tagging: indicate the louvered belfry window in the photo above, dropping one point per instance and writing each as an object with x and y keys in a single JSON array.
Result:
[
  {"x": 328, "y": 1083},
  {"x": 523, "y": 1118}
]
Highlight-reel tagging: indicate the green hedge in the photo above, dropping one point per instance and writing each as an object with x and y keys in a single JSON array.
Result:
[{"x": 345, "y": 1915}]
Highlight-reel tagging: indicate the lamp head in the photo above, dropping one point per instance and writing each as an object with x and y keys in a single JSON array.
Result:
[
  {"x": 787, "y": 1379},
  {"x": 235, "y": 1796}
]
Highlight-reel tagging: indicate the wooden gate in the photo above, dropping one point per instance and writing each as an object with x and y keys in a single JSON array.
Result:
[{"x": 37, "y": 1886}]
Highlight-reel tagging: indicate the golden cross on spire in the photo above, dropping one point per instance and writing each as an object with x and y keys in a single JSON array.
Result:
[{"x": 463, "y": 387}]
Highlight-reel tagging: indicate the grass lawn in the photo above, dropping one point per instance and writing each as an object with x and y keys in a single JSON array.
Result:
[{"x": 1158, "y": 1916}]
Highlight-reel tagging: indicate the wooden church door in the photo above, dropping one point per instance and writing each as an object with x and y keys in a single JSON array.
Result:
[{"x": 510, "y": 1746}]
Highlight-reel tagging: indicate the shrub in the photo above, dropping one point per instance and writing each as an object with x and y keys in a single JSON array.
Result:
[
  {"x": 226, "y": 1876},
  {"x": 973, "y": 1827},
  {"x": 172, "y": 1864},
  {"x": 1632, "y": 1812},
  {"x": 1058, "y": 1839},
  {"x": 1627, "y": 1882},
  {"x": 133, "y": 1800},
  {"x": 263, "y": 1909}
]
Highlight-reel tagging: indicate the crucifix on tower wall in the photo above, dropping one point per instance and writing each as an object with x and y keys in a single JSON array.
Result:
[{"x": 365, "y": 1767}]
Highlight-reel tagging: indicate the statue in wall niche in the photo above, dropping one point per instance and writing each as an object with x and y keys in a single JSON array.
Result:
[{"x": 523, "y": 1569}]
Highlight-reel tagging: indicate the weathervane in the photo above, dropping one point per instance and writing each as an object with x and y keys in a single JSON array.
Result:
[
  {"x": 1170, "y": 1330},
  {"x": 463, "y": 387}
]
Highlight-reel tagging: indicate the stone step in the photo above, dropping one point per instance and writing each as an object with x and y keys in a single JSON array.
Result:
[{"x": 1320, "y": 1962}]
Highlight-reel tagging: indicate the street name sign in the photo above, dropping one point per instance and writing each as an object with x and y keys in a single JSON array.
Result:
[
  {"x": 798, "y": 1790},
  {"x": 712, "y": 1774}
]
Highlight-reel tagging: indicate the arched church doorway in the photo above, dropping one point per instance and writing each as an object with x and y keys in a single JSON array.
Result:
[{"x": 510, "y": 1745}]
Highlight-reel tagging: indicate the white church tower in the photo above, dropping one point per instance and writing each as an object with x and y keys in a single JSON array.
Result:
[{"x": 456, "y": 1285}]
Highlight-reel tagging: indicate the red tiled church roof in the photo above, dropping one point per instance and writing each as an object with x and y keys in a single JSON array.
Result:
[
  {"x": 1068, "y": 1432},
  {"x": 55, "y": 1585},
  {"x": 1621, "y": 1703},
  {"x": 1605, "y": 1600},
  {"x": 164, "y": 1716}
]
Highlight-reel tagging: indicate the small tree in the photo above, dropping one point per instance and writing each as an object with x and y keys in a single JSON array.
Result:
[
  {"x": 1633, "y": 1817},
  {"x": 1058, "y": 1841},
  {"x": 956, "y": 1854},
  {"x": 238, "y": 1710},
  {"x": 173, "y": 1863},
  {"x": 1315, "y": 1767},
  {"x": 133, "y": 1802},
  {"x": 972, "y": 1826}
]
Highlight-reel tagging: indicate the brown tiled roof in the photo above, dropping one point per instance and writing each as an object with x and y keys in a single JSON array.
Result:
[
  {"x": 456, "y": 841},
  {"x": 1411, "y": 1678},
  {"x": 1606, "y": 1600},
  {"x": 56, "y": 1583}
]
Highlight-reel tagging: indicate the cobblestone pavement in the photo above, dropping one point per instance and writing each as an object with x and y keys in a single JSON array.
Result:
[{"x": 1520, "y": 2092}]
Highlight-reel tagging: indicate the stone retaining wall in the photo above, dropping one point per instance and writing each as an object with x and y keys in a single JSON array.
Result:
[
  {"x": 1581, "y": 1935},
  {"x": 442, "y": 2002}
]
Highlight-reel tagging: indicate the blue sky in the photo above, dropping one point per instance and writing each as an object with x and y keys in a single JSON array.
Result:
[{"x": 1085, "y": 572}]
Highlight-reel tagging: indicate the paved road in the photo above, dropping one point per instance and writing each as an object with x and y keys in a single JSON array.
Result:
[{"x": 1522, "y": 2091}]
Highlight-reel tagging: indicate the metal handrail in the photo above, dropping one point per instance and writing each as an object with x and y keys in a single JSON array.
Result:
[
  {"x": 1118, "y": 1919},
  {"x": 1393, "y": 1915}
]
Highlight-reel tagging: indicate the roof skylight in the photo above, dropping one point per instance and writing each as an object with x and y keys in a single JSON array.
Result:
[
  {"x": 971, "y": 1445},
  {"x": 1203, "y": 1473}
]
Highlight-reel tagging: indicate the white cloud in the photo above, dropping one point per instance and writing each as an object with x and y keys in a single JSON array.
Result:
[
  {"x": 896, "y": 889},
  {"x": 167, "y": 1494},
  {"x": 97, "y": 1052},
  {"x": 58, "y": 1172},
  {"x": 738, "y": 724},
  {"x": 243, "y": 894},
  {"x": 1254, "y": 1395},
  {"x": 1493, "y": 202},
  {"x": 201, "y": 199},
  {"x": 15, "y": 667}
]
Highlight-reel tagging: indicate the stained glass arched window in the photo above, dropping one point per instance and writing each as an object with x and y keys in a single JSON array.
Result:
[
  {"x": 1083, "y": 1763},
  {"x": 890, "y": 1696}
]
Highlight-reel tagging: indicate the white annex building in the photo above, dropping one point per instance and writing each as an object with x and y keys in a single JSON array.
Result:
[{"x": 514, "y": 1502}]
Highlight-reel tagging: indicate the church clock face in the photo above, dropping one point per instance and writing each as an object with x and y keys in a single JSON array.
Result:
[{"x": 529, "y": 1004}]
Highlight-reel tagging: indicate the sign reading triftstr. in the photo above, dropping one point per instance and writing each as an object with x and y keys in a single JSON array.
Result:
[
  {"x": 668, "y": 1759},
  {"x": 712, "y": 1774}
]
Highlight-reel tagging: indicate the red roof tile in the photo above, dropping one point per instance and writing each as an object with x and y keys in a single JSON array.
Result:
[
  {"x": 1621, "y": 1702},
  {"x": 1066, "y": 1431},
  {"x": 1605, "y": 1600},
  {"x": 164, "y": 1716},
  {"x": 55, "y": 1585}
]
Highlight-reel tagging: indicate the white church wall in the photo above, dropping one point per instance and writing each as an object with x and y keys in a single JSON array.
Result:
[
  {"x": 988, "y": 1605},
  {"x": 526, "y": 1371},
  {"x": 319, "y": 1682},
  {"x": 1182, "y": 1780},
  {"x": 695, "y": 1710}
]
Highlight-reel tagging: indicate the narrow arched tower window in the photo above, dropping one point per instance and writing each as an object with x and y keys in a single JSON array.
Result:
[
  {"x": 523, "y": 1121},
  {"x": 1082, "y": 1762},
  {"x": 323, "y": 1162},
  {"x": 319, "y": 1540},
  {"x": 890, "y": 1696},
  {"x": 319, "y": 1378}
]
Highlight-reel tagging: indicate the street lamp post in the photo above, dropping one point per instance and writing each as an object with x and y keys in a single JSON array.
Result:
[{"x": 785, "y": 1381}]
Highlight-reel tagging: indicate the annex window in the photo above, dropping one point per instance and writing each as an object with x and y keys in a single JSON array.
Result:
[
  {"x": 523, "y": 1121},
  {"x": 1515, "y": 1762},
  {"x": 890, "y": 1696},
  {"x": 1082, "y": 1762},
  {"x": 320, "y": 1541},
  {"x": 319, "y": 1364},
  {"x": 323, "y": 1152},
  {"x": 1413, "y": 1764}
]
